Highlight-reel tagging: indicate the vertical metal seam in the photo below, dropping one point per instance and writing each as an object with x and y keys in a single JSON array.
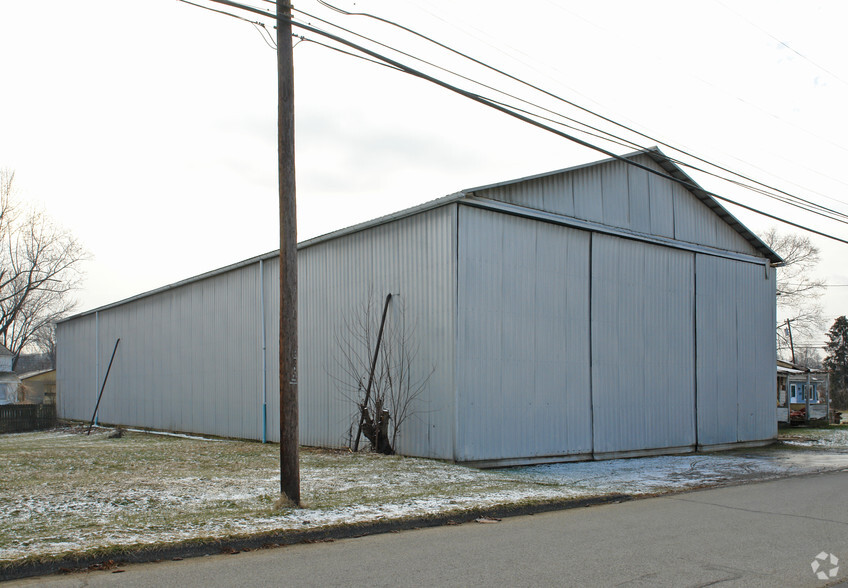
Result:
[
  {"x": 650, "y": 200},
  {"x": 456, "y": 314},
  {"x": 263, "y": 361},
  {"x": 695, "y": 338},
  {"x": 627, "y": 192},
  {"x": 96, "y": 356},
  {"x": 673, "y": 215},
  {"x": 736, "y": 294},
  {"x": 591, "y": 358}
]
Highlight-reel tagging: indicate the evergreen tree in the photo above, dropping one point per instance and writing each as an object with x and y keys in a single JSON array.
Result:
[{"x": 836, "y": 361}]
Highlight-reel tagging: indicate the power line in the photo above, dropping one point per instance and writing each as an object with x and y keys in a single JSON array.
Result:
[
  {"x": 816, "y": 285},
  {"x": 511, "y": 112},
  {"x": 507, "y": 110},
  {"x": 616, "y": 140},
  {"x": 805, "y": 205},
  {"x": 783, "y": 43},
  {"x": 224, "y": 12},
  {"x": 599, "y": 134},
  {"x": 593, "y": 113},
  {"x": 342, "y": 51}
]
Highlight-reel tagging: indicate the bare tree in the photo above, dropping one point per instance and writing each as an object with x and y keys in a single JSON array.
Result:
[
  {"x": 398, "y": 378},
  {"x": 808, "y": 357},
  {"x": 45, "y": 342},
  {"x": 798, "y": 291},
  {"x": 40, "y": 267}
]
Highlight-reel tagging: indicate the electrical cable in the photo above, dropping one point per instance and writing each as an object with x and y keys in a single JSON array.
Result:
[
  {"x": 792, "y": 49},
  {"x": 509, "y": 111},
  {"x": 260, "y": 30},
  {"x": 614, "y": 139},
  {"x": 506, "y": 110},
  {"x": 573, "y": 104},
  {"x": 224, "y": 12},
  {"x": 808, "y": 206},
  {"x": 350, "y": 53}
]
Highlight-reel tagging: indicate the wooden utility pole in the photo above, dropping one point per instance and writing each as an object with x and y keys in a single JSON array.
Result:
[
  {"x": 289, "y": 451},
  {"x": 791, "y": 344}
]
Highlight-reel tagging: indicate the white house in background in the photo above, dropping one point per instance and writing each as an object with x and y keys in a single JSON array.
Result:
[
  {"x": 798, "y": 388},
  {"x": 6, "y": 359},
  {"x": 605, "y": 310},
  {"x": 9, "y": 381}
]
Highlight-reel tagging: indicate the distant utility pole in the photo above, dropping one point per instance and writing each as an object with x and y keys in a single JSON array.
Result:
[
  {"x": 289, "y": 450},
  {"x": 791, "y": 344}
]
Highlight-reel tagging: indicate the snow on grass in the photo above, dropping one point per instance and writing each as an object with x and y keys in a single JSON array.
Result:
[
  {"x": 63, "y": 492},
  {"x": 835, "y": 438}
]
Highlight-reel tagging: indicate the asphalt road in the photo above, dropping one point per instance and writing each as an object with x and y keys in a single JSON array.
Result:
[{"x": 758, "y": 534}]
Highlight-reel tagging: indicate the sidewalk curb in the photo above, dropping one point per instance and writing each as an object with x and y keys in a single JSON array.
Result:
[{"x": 188, "y": 549}]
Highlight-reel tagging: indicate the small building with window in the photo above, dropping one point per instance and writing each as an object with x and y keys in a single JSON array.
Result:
[{"x": 808, "y": 389}]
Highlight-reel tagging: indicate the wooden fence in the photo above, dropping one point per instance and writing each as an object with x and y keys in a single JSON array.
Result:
[{"x": 16, "y": 418}]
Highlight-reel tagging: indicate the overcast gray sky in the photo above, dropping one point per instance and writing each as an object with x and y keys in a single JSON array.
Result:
[{"x": 149, "y": 128}]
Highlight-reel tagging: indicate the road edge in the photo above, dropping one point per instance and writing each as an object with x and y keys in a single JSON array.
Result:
[{"x": 193, "y": 548}]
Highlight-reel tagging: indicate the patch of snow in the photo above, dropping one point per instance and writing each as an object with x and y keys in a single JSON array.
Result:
[
  {"x": 343, "y": 489},
  {"x": 167, "y": 434}
]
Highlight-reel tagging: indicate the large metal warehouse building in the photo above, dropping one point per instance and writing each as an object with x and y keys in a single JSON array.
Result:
[{"x": 599, "y": 311}]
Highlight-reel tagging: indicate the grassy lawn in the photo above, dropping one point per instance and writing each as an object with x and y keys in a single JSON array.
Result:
[
  {"x": 65, "y": 493},
  {"x": 819, "y": 437}
]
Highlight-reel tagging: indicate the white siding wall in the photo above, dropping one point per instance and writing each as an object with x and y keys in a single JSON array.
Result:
[
  {"x": 643, "y": 361},
  {"x": 523, "y": 338}
]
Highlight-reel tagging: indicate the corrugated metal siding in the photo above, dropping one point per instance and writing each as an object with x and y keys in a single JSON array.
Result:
[
  {"x": 757, "y": 377},
  {"x": 271, "y": 271},
  {"x": 414, "y": 259},
  {"x": 190, "y": 358},
  {"x": 76, "y": 389},
  {"x": 623, "y": 196},
  {"x": 661, "y": 194},
  {"x": 643, "y": 364},
  {"x": 588, "y": 191},
  {"x": 718, "y": 350},
  {"x": 693, "y": 221},
  {"x": 736, "y": 354},
  {"x": 502, "y": 306},
  {"x": 615, "y": 194},
  {"x": 553, "y": 193},
  {"x": 523, "y": 339},
  {"x": 638, "y": 187},
  {"x": 186, "y": 361}
]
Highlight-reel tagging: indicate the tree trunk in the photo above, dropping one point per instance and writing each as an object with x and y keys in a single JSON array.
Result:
[{"x": 377, "y": 434}]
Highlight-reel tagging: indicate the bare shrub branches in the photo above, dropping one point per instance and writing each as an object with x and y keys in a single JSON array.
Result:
[{"x": 398, "y": 379}]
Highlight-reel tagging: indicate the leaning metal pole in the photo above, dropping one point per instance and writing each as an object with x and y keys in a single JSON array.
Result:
[
  {"x": 99, "y": 396},
  {"x": 371, "y": 374}
]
